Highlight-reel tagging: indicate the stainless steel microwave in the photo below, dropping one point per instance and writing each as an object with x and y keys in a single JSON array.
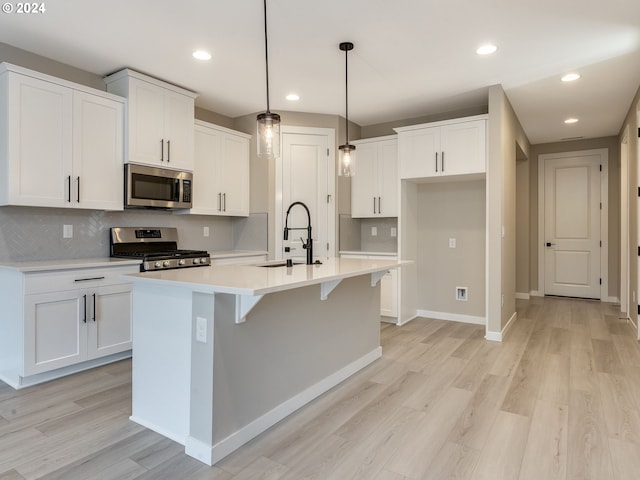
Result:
[{"x": 153, "y": 187}]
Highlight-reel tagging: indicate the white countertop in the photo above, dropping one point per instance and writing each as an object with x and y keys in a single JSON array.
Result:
[
  {"x": 256, "y": 280},
  {"x": 68, "y": 264}
]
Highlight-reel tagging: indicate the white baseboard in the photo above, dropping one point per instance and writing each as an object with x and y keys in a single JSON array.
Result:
[
  {"x": 17, "y": 382},
  {"x": 611, "y": 300},
  {"x": 536, "y": 293},
  {"x": 211, "y": 454},
  {"x": 523, "y": 296},
  {"x": 500, "y": 336},
  {"x": 162, "y": 431},
  {"x": 401, "y": 322},
  {"x": 452, "y": 317}
]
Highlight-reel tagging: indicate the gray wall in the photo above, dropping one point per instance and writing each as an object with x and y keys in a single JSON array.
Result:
[
  {"x": 451, "y": 210},
  {"x": 631, "y": 122},
  {"x": 507, "y": 142}
]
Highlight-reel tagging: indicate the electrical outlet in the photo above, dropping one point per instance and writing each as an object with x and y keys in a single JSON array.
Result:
[
  {"x": 452, "y": 243},
  {"x": 374, "y": 231},
  {"x": 462, "y": 294},
  {"x": 394, "y": 232},
  {"x": 205, "y": 231},
  {"x": 201, "y": 330},
  {"x": 67, "y": 231}
]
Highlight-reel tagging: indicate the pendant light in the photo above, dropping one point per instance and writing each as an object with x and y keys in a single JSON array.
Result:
[
  {"x": 347, "y": 152},
  {"x": 268, "y": 123}
]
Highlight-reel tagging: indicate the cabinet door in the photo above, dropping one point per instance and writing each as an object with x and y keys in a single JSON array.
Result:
[
  {"x": 233, "y": 175},
  {"x": 54, "y": 331},
  {"x": 39, "y": 142},
  {"x": 389, "y": 294},
  {"x": 463, "y": 146},
  {"x": 98, "y": 125},
  {"x": 146, "y": 123},
  {"x": 109, "y": 320},
  {"x": 419, "y": 153},
  {"x": 206, "y": 192},
  {"x": 178, "y": 131},
  {"x": 364, "y": 184},
  {"x": 388, "y": 178}
]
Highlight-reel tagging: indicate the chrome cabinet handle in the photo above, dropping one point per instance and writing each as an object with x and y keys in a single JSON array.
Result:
[
  {"x": 168, "y": 151},
  {"x": 436, "y": 162},
  {"x": 162, "y": 150},
  {"x": 224, "y": 199},
  {"x": 442, "y": 162},
  {"x": 219, "y": 202},
  {"x": 69, "y": 188},
  {"x": 374, "y": 205},
  {"x": 379, "y": 205},
  {"x": 94, "y": 307},
  {"x": 84, "y": 298},
  {"x": 78, "y": 189}
]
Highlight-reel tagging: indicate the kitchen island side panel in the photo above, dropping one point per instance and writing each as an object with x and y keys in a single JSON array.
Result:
[
  {"x": 161, "y": 359},
  {"x": 289, "y": 343}
]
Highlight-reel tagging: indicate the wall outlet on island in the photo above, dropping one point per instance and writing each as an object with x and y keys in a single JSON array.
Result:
[
  {"x": 374, "y": 231},
  {"x": 201, "y": 329},
  {"x": 394, "y": 232},
  {"x": 67, "y": 231},
  {"x": 205, "y": 231}
]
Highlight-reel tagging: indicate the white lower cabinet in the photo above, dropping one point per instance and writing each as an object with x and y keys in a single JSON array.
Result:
[
  {"x": 388, "y": 284},
  {"x": 65, "y": 318}
]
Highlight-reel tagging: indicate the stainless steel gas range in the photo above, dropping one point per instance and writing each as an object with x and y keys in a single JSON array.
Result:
[{"x": 157, "y": 248}]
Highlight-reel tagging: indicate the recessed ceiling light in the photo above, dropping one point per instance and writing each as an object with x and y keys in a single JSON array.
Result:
[
  {"x": 201, "y": 55},
  {"x": 486, "y": 49},
  {"x": 570, "y": 77},
  {"x": 293, "y": 97},
  {"x": 571, "y": 120}
]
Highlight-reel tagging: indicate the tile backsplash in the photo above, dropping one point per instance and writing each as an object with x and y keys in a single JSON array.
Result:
[
  {"x": 28, "y": 233},
  {"x": 356, "y": 234}
]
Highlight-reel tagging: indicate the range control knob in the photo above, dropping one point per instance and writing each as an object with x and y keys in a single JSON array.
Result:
[
  {"x": 166, "y": 263},
  {"x": 181, "y": 262},
  {"x": 196, "y": 261},
  {"x": 204, "y": 260},
  {"x": 157, "y": 264}
]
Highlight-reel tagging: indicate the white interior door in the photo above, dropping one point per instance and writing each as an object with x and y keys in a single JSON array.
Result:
[
  {"x": 306, "y": 178},
  {"x": 572, "y": 225}
]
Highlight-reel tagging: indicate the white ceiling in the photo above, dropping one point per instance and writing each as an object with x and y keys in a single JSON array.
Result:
[{"x": 412, "y": 57}]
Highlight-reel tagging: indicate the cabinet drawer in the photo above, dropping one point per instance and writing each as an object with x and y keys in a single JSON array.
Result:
[{"x": 58, "y": 281}]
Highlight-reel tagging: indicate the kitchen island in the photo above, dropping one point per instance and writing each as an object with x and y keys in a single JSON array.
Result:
[{"x": 222, "y": 353}]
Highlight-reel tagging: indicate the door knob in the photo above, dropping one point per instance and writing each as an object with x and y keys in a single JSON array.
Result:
[{"x": 548, "y": 244}]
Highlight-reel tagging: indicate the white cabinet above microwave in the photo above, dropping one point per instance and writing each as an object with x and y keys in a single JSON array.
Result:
[{"x": 160, "y": 120}]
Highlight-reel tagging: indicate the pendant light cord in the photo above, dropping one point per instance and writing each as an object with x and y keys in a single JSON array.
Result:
[
  {"x": 266, "y": 53},
  {"x": 346, "y": 93}
]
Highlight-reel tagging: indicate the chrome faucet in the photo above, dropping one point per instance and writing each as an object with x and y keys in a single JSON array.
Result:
[{"x": 307, "y": 246}]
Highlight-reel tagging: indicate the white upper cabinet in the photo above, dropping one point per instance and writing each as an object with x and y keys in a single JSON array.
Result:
[
  {"x": 160, "y": 120},
  {"x": 221, "y": 171},
  {"x": 452, "y": 147},
  {"x": 374, "y": 187},
  {"x": 62, "y": 143}
]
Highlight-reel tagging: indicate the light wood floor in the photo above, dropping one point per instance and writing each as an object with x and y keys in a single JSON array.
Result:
[{"x": 557, "y": 400}]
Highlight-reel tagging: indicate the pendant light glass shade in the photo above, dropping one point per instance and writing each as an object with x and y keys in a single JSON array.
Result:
[
  {"x": 268, "y": 135},
  {"x": 347, "y": 160},
  {"x": 268, "y": 124}
]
